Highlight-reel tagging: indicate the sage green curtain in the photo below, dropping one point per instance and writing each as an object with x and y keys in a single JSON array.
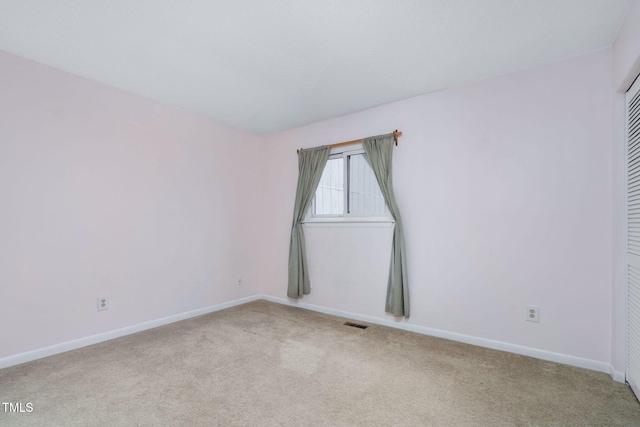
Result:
[
  {"x": 311, "y": 163},
  {"x": 379, "y": 150}
]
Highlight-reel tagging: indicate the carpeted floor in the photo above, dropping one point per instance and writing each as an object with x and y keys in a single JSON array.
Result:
[{"x": 265, "y": 364}]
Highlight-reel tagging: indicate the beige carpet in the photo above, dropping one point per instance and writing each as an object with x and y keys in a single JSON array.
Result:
[{"x": 268, "y": 364}]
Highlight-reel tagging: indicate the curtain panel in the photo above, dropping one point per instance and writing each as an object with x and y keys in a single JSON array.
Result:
[
  {"x": 379, "y": 150},
  {"x": 311, "y": 163}
]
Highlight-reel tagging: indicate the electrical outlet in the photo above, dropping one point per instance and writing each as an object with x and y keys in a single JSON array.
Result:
[
  {"x": 533, "y": 313},
  {"x": 103, "y": 303}
]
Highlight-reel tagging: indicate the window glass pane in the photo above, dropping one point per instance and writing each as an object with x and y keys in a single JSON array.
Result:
[
  {"x": 330, "y": 192},
  {"x": 365, "y": 196}
]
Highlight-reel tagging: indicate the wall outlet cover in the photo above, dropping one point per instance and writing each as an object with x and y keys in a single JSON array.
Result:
[
  {"x": 103, "y": 303},
  {"x": 533, "y": 313}
]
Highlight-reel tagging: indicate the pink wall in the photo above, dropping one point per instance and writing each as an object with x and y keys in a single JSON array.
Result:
[
  {"x": 505, "y": 189},
  {"x": 105, "y": 193},
  {"x": 626, "y": 67}
]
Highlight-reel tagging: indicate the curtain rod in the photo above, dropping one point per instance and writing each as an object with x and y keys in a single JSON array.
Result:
[{"x": 396, "y": 134}]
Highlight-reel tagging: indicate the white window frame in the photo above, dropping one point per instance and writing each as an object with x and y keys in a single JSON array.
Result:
[{"x": 346, "y": 217}]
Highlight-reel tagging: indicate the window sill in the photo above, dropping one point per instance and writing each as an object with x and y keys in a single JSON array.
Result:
[{"x": 349, "y": 222}]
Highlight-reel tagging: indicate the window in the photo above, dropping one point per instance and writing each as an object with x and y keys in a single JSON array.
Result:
[{"x": 348, "y": 190}]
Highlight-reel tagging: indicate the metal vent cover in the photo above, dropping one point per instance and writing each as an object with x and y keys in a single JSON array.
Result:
[{"x": 355, "y": 325}]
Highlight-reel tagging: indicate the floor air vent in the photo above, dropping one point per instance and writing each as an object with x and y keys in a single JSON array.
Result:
[{"x": 355, "y": 325}]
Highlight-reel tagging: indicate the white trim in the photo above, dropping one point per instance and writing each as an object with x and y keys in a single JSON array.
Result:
[
  {"x": 619, "y": 234},
  {"x": 579, "y": 362},
  {"x": 117, "y": 333},
  {"x": 481, "y": 342},
  {"x": 350, "y": 223},
  {"x": 617, "y": 376}
]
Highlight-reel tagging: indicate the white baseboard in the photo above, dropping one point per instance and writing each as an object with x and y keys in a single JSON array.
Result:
[
  {"x": 579, "y": 362},
  {"x": 481, "y": 342},
  {"x": 618, "y": 376},
  {"x": 105, "y": 336}
]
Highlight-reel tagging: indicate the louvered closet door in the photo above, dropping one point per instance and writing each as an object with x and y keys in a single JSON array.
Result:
[{"x": 633, "y": 237}]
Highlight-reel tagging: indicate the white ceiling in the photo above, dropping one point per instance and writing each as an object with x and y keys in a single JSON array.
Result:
[{"x": 269, "y": 65}]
